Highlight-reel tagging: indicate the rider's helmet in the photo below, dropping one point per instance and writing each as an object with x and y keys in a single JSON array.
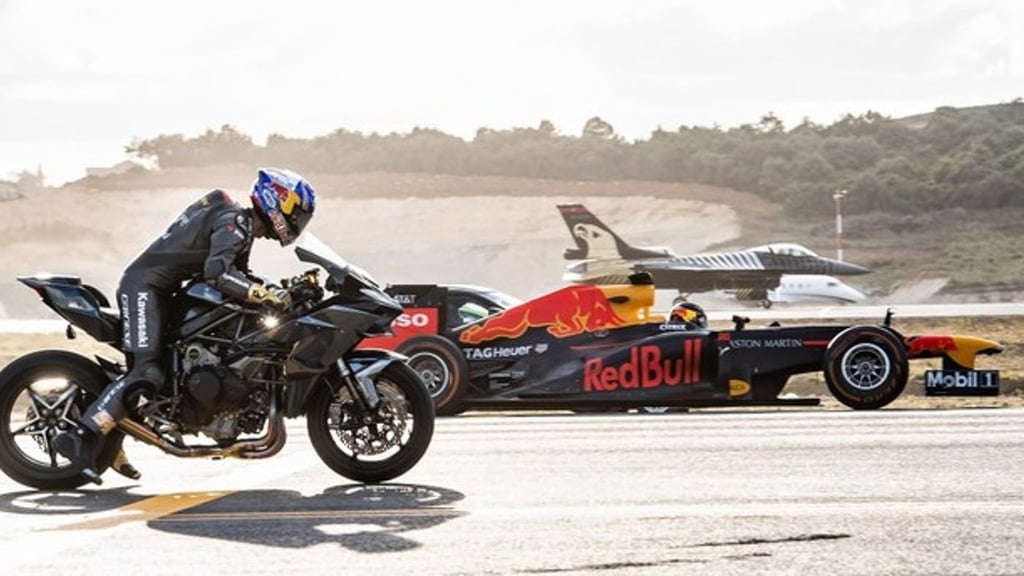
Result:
[
  {"x": 688, "y": 313},
  {"x": 285, "y": 201}
]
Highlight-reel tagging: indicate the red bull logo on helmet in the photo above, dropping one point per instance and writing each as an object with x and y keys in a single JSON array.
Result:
[
  {"x": 286, "y": 198},
  {"x": 566, "y": 312}
]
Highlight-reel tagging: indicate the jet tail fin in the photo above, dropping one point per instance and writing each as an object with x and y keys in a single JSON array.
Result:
[{"x": 594, "y": 239}]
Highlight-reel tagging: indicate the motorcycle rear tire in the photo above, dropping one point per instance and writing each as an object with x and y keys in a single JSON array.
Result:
[{"x": 35, "y": 464}]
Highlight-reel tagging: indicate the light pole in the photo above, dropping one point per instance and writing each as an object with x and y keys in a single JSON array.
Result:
[{"x": 838, "y": 197}]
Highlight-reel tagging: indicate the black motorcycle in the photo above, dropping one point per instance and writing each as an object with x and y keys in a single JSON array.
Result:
[{"x": 236, "y": 374}]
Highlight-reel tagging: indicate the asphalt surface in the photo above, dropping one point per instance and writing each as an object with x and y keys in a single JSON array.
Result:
[{"x": 778, "y": 492}]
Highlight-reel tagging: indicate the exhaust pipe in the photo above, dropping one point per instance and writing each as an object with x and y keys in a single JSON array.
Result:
[{"x": 263, "y": 447}]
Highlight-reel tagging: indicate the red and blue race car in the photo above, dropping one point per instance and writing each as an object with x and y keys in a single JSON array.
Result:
[{"x": 585, "y": 347}]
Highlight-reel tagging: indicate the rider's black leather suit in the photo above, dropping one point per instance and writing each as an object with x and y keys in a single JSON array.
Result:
[{"x": 212, "y": 238}]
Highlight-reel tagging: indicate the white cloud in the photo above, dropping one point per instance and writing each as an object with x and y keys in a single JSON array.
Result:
[{"x": 76, "y": 73}]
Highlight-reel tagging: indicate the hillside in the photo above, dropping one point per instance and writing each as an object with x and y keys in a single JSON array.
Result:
[
  {"x": 498, "y": 231},
  {"x": 946, "y": 255}
]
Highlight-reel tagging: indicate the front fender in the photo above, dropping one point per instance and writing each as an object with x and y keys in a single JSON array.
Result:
[{"x": 370, "y": 361}]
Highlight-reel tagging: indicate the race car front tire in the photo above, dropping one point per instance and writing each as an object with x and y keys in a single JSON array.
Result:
[
  {"x": 442, "y": 367},
  {"x": 866, "y": 367}
]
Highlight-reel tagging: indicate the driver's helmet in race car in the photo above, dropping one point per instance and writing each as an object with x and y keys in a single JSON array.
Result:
[
  {"x": 688, "y": 313},
  {"x": 284, "y": 201}
]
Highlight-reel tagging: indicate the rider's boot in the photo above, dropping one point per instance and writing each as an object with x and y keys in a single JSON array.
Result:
[
  {"x": 123, "y": 467},
  {"x": 80, "y": 446}
]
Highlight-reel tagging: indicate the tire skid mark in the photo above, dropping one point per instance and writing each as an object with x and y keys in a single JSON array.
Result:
[
  {"x": 680, "y": 561},
  {"x": 585, "y": 568},
  {"x": 755, "y": 541}
]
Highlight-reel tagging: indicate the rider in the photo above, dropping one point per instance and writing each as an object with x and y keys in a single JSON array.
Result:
[{"x": 212, "y": 238}]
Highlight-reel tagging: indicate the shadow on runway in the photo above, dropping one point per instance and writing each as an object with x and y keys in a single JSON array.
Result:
[
  {"x": 369, "y": 518},
  {"x": 362, "y": 518}
]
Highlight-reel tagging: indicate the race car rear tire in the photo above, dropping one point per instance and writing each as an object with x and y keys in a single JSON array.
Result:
[
  {"x": 866, "y": 367},
  {"x": 442, "y": 367}
]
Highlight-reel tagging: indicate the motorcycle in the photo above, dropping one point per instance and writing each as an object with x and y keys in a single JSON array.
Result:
[{"x": 236, "y": 373}]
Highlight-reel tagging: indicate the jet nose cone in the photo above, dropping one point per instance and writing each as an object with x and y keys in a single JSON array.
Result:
[
  {"x": 855, "y": 295},
  {"x": 839, "y": 268}
]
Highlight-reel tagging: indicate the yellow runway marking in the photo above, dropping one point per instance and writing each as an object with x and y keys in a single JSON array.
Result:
[{"x": 147, "y": 510}]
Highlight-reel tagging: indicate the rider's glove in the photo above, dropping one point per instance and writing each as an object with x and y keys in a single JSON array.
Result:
[{"x": 259, "y": 294}]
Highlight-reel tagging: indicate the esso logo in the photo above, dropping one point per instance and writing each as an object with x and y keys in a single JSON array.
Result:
[{"x": 415, "y": 320}]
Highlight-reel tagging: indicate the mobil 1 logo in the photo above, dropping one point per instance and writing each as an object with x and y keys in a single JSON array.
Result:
[{"x": 961, "y": 382}]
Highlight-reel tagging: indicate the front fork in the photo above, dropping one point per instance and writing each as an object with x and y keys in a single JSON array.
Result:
[
  {"x": 361, "y": 383},
  {"x": 360, "y": 372}
]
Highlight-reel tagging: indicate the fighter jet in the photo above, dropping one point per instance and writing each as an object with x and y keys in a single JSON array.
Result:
[{"x": 602, "y": 257}]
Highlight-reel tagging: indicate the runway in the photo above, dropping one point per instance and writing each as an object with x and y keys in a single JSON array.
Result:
[{"x": 806, "y": 491}]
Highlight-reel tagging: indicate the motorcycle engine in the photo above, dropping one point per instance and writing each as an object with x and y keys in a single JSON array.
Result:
[{"x": 215, "y": 400}]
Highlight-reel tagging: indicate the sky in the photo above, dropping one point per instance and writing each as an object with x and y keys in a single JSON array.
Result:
[{"x": 80, "y": 80}]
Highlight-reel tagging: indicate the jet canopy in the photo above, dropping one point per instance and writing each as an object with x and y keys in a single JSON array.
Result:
[{"x": 785, "y": 249}]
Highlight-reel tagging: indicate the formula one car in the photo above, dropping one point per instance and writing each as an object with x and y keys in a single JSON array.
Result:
[{"x": 587, "y": 347}]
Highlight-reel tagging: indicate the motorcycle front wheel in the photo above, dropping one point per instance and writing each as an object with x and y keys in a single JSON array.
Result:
[{"x": 373, "y": 446}]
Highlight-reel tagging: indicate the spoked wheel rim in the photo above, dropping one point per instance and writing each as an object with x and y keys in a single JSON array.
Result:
[
  {"x": 434, "y": 372},
  {"x": 377, "y": 435},
  {"x": 43, "y": 394},
  {"x": 40, "y": 410},
  {"x": 866, "y": 366}
]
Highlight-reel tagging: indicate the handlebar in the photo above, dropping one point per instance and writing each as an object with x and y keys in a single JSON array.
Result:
[
  {"x": 311, "y": 276},
  {"x": 304, "y": 288}
]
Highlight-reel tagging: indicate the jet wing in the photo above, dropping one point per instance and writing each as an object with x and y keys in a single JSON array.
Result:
[
  {"x": 673, "y": 274},
  {"x": 691, "y": 279}
]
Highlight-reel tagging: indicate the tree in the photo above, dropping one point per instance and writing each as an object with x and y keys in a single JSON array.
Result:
[
  {"x": 769, "y": 124},
  {"x": 596, "y": 127},
  {"x": 855, "y": 153},
  {"x": 966, "y": 157}
]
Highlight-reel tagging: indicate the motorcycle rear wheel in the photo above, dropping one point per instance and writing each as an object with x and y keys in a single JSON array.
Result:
[
  {"x": 42, "y": 394},
  {"x": 379, "y": 445}
]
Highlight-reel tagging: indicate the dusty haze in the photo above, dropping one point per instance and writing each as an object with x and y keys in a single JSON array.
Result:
[{"x": 503, "y": 239}]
